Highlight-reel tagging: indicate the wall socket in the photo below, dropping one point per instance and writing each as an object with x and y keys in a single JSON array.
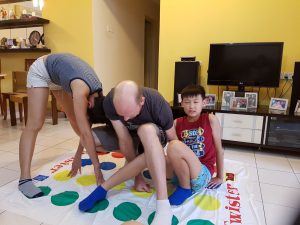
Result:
[{"x": 286, "y": 75}]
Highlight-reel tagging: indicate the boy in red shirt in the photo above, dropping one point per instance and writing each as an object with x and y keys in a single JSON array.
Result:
[{"x": 199, "y": 147}]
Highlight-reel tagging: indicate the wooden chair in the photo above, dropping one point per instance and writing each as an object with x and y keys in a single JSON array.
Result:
[
  {"x": 22, "y": 100},
  {"x": 19, "y": 96},
  {"x": 2, "y": 76}
]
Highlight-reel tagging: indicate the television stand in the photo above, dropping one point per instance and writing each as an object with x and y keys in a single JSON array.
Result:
[{"x": 240, "y": 92}]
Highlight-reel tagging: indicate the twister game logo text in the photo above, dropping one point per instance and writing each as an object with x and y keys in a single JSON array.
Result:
[
  {"x": 234, "y": 205},
  {"x": 61, "y": 165},
  {"x": 195, "y": 140}
]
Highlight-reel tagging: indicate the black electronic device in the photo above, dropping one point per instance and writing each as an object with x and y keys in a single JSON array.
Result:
[
  {"x": 295, "y": 96},
  {"x": 188, "y": 58},
  {"x": 186, "y": 72},
  {"x": 283, "y": 132},
  {"x": 245, "y": 64}
]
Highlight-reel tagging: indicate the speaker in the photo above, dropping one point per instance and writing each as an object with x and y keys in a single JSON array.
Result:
[
  {"x": 186, "y": 72},
  {"x": 295, "y": 90}
]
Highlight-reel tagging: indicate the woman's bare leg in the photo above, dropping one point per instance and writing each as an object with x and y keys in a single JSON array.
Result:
[{"x": 37, "y": 107}]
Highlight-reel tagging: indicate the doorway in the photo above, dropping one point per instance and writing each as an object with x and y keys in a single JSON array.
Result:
[{"x": 150, "y": 55}]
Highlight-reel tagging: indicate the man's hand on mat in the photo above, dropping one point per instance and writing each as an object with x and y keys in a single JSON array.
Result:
[
  {"x": 76, "y": 166},
  {"x": 140, "y": 184},
  {"x": 215, "y": 183},
  {"x": 99, "y": 176}
]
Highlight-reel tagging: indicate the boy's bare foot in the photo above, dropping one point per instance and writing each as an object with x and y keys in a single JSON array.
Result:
[{"x": 140, "y": 185}]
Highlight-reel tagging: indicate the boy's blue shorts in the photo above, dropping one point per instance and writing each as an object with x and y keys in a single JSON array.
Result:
[{"x": 199, "y": 183}]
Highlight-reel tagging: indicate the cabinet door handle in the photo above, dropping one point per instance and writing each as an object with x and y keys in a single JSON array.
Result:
[{"x": 236, "y": 134}]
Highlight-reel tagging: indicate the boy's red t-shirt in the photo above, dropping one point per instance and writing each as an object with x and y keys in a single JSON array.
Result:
[{"x": 198, "y": 137}]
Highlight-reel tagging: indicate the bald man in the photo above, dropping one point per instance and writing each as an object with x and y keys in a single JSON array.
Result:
[{"x": 143, "y": 113}]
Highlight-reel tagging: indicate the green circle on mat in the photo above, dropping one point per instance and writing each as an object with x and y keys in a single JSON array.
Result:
[
  {"x": 127, "y": 211},
  {"x": 175, "y": 221},
  {"x": 86, "y": 180},
  {"x": 207, "y": 202},
  {"x": 100, "y": 206},
  {"x": 45, "y": 189},
  {"x": 64, "y": 198},
  {"x": 199, "y": 222}
]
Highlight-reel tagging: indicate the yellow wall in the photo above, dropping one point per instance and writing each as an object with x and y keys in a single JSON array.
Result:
[
  {"x": 70, "y": 27},
  {"x": 188, "y": 27}
]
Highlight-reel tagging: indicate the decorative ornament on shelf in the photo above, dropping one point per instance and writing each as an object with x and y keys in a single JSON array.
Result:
[
  {"x": 34, "y": 38},
  {"x": 38, "y": 3}
]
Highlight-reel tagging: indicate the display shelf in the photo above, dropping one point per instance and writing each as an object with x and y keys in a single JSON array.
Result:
[
  {"x": 21, "y": 23},
  {"x": 12, "y": 1},
  {"x": 24, "y": 50}
]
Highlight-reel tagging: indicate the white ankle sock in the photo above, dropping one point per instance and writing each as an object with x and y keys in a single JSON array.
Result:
[{"x": 163, "y": 213}]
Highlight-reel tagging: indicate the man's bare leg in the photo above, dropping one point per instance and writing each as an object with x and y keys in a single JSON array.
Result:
[{"x": 156, "y": 164}]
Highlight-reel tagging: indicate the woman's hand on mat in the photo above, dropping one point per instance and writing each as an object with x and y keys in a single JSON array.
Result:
[
  {"x": 215, "y": 183},
  {"x": 99, "y": 175},
  {"x": 76, "y": 166}
]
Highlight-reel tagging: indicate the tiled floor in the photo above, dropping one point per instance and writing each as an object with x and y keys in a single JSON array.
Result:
[{"x": 275, "y": 178}]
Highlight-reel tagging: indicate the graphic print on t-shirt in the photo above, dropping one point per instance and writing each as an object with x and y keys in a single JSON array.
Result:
[{"x": 195, "y": 140}]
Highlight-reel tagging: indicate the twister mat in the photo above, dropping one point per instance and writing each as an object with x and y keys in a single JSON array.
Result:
[{"x": 230, "y": 204}]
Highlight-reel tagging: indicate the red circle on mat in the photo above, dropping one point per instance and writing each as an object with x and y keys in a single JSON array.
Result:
[
  {"x": 117, "y": 155},
  {"x": 102, "y": 153}
]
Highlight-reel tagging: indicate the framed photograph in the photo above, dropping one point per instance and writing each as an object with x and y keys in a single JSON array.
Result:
[
  {"x": 278, "y": 103},
  {"x": 210, "y": 100},
  {"x": 227, "y": 95},
  {"x": 252, "y": 99},
  {"x": 238, "y": 103},
  {"x": 297, "y": 108}
]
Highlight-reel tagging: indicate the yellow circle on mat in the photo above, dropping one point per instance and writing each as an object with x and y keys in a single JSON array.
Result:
[
  {"x": 86, "y": 180},
  {"x": 62, "y": 176},
  {"x": 142, "y": 194},
  {"x": 119, "y": 187},
  {"x": 206, "y": 202}
]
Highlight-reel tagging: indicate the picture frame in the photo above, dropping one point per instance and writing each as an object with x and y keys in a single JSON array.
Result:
[
  {"x": 226, "y": 96},
  {"x": 239, "y": 103},
  {"x": 278, "y": 104},
  {"x": 210, "y": 99},
  {"x": 297, "y": 108},
  {"x": 252, "y": 99}
]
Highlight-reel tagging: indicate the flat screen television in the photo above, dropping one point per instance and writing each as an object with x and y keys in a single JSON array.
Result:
[{"x": 245, "y": 64}]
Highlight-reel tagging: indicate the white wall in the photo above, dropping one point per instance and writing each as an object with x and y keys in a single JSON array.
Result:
[{"x": 118, "y": 27}]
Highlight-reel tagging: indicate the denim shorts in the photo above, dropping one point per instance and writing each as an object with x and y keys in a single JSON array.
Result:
[
  {"x": 199, "y": 183},
  {"x": 38, "y": 76}
]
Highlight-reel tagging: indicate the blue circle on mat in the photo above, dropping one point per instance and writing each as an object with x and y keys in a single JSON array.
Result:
[
  {"x": 86, "y": 162},
  {"x": 108, "y": 165},
  {"x": 146, "y": 174}
]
